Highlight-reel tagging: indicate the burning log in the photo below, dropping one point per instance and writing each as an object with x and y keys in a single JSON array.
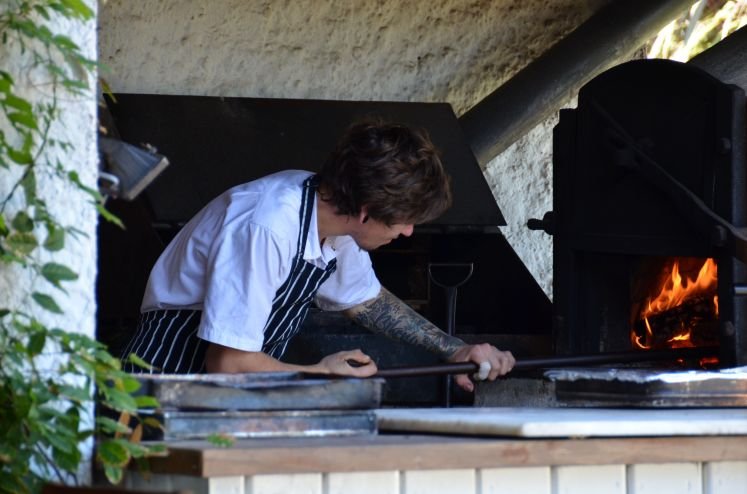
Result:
[
  {"x": 684, "y": 313},
  {"x": 692, "y": 323}
]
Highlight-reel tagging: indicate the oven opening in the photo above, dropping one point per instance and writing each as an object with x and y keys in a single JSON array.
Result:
[{"x": 674, "y": 304}]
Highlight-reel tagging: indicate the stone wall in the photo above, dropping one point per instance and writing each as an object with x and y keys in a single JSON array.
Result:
[
  {"x": 70, "y": 206},
  {"x": 456, "y": 51}
]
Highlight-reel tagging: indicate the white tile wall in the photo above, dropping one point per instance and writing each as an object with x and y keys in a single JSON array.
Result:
[
  {"x": 299, "y": 483},
  {"x": 227, "y": 485},
  {"x": 438, "y": 482},
  {"x": 665, "y": 478},
  {"x": 362, "y": 483},
  {"x": 527, "y": 480},
  {"x": 596, "y": 479},
  {"x": 725, "y": 477}
]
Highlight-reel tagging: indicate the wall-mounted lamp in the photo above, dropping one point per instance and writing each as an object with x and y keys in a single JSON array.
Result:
[{"x": 127, "y": 169}]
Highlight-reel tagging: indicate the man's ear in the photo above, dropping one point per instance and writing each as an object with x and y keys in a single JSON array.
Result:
[{"x": 363, "y": 215}]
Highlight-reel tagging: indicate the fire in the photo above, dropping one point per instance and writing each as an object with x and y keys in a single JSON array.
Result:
[{"x": 677, "y": 291}]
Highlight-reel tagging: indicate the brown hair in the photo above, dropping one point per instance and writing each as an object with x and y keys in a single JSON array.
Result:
[{"x": 392, "y": 169}]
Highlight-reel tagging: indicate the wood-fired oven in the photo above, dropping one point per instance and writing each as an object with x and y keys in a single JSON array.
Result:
[{"x": 650, "y": 214}]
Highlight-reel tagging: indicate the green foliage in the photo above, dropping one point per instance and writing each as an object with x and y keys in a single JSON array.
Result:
[
  {"x": 44, "y": 401},
  {"x": 705, "y": 24}
]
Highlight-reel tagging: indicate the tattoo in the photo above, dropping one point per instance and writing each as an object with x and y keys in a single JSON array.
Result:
[{"x": 388, "y": 315}]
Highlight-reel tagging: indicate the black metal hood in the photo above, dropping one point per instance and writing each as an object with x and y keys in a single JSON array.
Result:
[{"x": 214, "y": 143}]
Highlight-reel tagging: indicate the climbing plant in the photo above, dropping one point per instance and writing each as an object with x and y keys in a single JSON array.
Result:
[
  {"x": 50, "y": 377},
  {"x": 706, "y": 23}
]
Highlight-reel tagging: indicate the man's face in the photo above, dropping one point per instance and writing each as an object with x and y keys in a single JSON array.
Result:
[{"x": 373, "y": 234}]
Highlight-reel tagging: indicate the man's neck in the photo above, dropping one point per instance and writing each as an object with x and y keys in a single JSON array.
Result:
[{"x": 331, "y": 224}]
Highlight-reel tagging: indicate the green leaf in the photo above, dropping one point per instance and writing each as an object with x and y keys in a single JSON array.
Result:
[
  {"x": 22, "y": 243},
  {"x": 55, "y": 240},
  {"x": 146, "y": 402},
  {"x": 64, "y": 42},
  {"x": 113, "y": 453},
  {"x": 28, "y": 182},
  {"x": 3, "y": 227},
  {"x": 21, "y": 157},
  {"x": 76, "y": 393},
  {"x": 19, "y": 104},
  {"x": 136, "y": 450},
  {"x": 221, "y": 440},
  {"x": 67, "y": 460},
  {"x": 78, "y": 7},
  {"x": 74, "y": 84},
  {"x": 47, "y": 302},
  {"x": 36, "y": 344},
  {"x": 109, "y": 216},
  {"x": 42, "y": 11},
  {"x": 112, "y": 426},
  {"x": 5, "y": 84},
  {"x": 158, "y": 449},
  {"x": 23, "y": 223},
  {"x": 75, "y": 178},
  {"x": 55, "y": 273},
  {"x": 154, "y": 423},
  {"x": 130, "y": 384},
  {"x": 113, "y": 474},
  {"x": 57, "y": 440},
  {"x": 23, "y": 118},
  {"x": 120, "y": 400},
  {"x": 134, "y": 359}
]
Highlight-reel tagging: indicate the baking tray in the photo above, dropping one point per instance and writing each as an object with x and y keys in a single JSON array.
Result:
[
  {"x": 650, "y": 388},
  {"x": 183, "y": 425},
  {"x": 261, "y": 392}
]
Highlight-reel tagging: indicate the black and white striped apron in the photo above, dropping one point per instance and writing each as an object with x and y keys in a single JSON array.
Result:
[{"x": 167, "y": 339}]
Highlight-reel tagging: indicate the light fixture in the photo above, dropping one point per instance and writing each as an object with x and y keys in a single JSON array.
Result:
[{"x": 127, "y": 169}]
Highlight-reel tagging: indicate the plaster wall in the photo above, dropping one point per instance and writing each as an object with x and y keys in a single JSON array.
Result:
[
  {"x": 71, "y": 207},
  {"x": 457, "y": 51}
]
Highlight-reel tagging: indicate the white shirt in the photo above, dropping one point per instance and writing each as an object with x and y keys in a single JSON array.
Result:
[{"x": 231, "y": 258}]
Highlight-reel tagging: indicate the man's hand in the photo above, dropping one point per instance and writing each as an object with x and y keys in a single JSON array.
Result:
[
  {"x": 492, "y": 360},
  {"x": 349, "y": 363}
]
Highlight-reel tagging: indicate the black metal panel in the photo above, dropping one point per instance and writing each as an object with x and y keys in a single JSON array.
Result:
[
  {"x": 676, "y": 114},
  {"x": 214, "y": 143}
]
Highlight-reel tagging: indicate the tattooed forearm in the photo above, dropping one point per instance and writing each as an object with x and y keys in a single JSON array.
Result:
[{"x": 388, "y": 315}]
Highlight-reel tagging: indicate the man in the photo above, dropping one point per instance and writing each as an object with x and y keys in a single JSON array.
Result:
[{"x": 234, "y": 286}]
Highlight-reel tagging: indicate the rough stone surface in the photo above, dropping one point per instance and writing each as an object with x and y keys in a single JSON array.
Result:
[
  {"x": 521, "y": 181},
  {"x": 456, "y": 51},
  {"x": 70, "y": 206}
]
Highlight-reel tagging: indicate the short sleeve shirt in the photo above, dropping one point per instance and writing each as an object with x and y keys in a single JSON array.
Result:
[{"x": 230, "y": 259}]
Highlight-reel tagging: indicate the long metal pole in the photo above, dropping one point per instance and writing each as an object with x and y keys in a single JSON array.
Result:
[{"x": 549, "y": 362}]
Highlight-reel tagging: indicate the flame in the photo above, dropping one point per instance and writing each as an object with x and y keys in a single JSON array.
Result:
[{"x": 674, "y": 292}]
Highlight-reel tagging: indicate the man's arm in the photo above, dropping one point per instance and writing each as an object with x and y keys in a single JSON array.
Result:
[
  {"x": 219, "y": 358},
  {"x": 388, "y": 315}
]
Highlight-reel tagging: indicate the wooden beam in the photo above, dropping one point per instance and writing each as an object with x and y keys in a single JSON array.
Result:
[{"x": 413, "y": 452}]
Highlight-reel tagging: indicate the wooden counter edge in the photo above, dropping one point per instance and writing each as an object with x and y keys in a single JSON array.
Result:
[{"x": 415, "y": 452}]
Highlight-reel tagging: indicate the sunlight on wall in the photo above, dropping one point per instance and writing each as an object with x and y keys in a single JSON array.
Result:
[{"x": 705, "y": 24}]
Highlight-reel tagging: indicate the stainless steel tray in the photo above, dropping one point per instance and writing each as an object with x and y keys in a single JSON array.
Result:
[
  {"x": 261, "y": 392},
  {"x": 181, "y": 425},
  {"x": 647, "y": 388}
]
